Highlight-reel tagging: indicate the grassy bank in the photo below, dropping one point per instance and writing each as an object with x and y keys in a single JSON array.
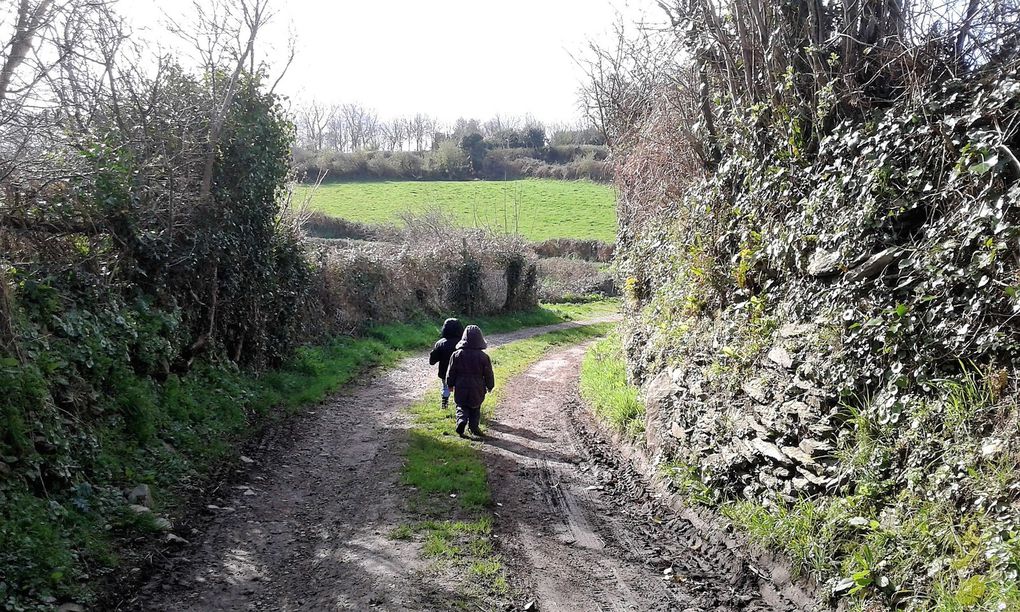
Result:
[
  {"x": 604, "y": 386},
  {"x": 58, "y": 545},
  {"x": 548, "y": 208},
  {"x": 452, "y": 497}
]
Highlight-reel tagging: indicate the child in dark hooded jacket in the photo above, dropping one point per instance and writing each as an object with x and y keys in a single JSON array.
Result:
[
  {"x": 443, "y": 349},
  {"x": 470, "y": 377}
]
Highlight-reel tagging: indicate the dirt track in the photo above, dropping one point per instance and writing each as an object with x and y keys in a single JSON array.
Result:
[
  {"x": 306, "y": 529},
  {"x": 583, "y": 530}
]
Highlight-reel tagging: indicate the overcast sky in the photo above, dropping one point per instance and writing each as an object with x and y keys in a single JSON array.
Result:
[{"x": 448, "y": 58}]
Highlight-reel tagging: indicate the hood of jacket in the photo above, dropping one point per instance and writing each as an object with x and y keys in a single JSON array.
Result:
[
  {"x": 472, "y": 339},
  {"x": 452, "y": 329}
]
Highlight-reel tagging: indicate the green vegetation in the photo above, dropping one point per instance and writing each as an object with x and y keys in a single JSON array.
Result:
[
  {"x": 829, "y": 298},
  {"x": 171, "y": 435},
  {"x": 547, "y": 208},
  {"x": 604, "y": 386},
  {"x": 877, "y": 538},
  {"x": 448, "y": 475}
]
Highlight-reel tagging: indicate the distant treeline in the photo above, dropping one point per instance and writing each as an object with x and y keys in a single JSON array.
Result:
[{"x": 350, "y": 142}]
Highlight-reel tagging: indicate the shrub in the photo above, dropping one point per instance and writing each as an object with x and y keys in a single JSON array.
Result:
[
  {"x": 320, "y": 225},
  {"x": 587, "y": 250},
  {"x": 467, "y": 292},
  {"x": 564, "y": 279}
]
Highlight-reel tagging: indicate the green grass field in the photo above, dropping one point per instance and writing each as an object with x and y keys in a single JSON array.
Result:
[{"x": 548, "y": 208}]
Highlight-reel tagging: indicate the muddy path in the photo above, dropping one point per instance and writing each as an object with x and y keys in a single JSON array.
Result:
[
  {"x": 580, "y": 528},
  {"x": 305, "y": 527}
]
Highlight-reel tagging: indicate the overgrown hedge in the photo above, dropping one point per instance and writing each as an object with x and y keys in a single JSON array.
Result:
[{"x": 450, "y": 162}]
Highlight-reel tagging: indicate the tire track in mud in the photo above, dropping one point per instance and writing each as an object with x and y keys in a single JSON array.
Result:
[{"x": 582, "y": 530}]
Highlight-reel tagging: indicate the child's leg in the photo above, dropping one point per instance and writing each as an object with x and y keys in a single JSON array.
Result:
[
  {"x": 446, "y": 395},
  {"x": 475, "y": 416},
  {"x": 462, "y": 419}
]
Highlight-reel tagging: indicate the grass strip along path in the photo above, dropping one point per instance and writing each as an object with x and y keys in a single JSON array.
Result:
[
  {"x": 452, "y": 497},
  {"x": 316, "y": 371}
]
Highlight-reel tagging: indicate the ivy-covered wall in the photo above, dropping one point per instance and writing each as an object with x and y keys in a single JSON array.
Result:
[{"x": 828, "y": 347}]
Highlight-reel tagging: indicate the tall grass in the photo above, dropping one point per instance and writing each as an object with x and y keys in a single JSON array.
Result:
[{"x": 604, "y": 386}]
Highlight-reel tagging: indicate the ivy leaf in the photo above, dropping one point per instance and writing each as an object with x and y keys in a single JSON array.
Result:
[{"x": 985, "y": 166}]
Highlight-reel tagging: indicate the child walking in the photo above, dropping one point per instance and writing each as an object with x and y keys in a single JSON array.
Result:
[
  {"x": 469, "y": 378},
  {"x": 443, "y": 349}
]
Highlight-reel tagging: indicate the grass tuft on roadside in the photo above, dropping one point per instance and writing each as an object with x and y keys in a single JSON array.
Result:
[{"x": 604, "y": 386}]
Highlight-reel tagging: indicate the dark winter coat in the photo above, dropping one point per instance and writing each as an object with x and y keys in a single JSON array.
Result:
[
  {"x": 445, "y": 346},
  {"x": 470, "y": 374}
]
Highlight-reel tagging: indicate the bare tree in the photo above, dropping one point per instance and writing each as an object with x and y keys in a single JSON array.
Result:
[
  {"x": 362, "y": 126},
  {"x": 393, "y": 134},
  {"x": 420, "y": 128},
  {"x": 224, "y": 33},
  {"x": 30, "y": 20},
  {"x": 313, "y": 122},
  {"x": 336, "y": 131}
]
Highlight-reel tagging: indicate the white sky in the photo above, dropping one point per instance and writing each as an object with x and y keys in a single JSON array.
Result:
[{"x": 448, "y": 58}]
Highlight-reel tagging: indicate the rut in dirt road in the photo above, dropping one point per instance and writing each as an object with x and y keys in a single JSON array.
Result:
[
  {"x": 579, "y": 526},
  {"x": 308, "y": 529}
]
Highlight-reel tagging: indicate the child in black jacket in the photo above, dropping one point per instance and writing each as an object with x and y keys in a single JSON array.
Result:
[{"x": 441, "y": 351}]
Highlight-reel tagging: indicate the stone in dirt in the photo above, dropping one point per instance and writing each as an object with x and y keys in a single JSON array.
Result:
[
  {"x": 754, "y": 425},
  {"x": 656, "y": 395},
  {"x": 139, "y": 509},
  {"x": 70, "y": 607},
  {"x": 678, "y": 432},
  {"x": 163, "y": 523},
  {"x": 823, "y": 263},
  {"x": 809, "y": 445},
  {"x": 792, "y": 330},
  {"x": 812, "y": 477},
  {"x": 755, "y": 389},
  {"x": 799, "y": 408},
  {"x": 743, "y": 449},
  {"x": 780, "y": 356},
  {"x": 175, "y": 539},
  {"x": 770, "y": 450},
  {"x": 798, "y": 455},
  {"x": 874, "y": 265},
  {"x": 140, "y": 495}
]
